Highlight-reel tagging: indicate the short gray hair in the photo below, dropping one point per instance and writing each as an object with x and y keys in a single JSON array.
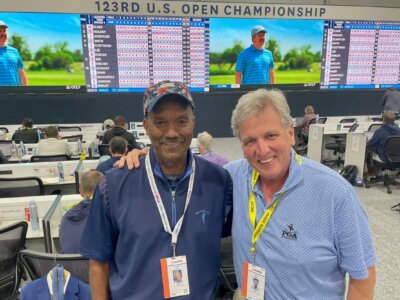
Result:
[
  {"x": 205, "y": 140},
  {"x": 254, "y": 102}
]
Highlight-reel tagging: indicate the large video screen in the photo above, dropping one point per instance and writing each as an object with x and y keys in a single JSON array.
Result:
[{"x": 104, "y": 53}]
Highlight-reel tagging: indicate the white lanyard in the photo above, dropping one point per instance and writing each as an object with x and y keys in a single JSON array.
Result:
[{"x": 160, "y": 205}]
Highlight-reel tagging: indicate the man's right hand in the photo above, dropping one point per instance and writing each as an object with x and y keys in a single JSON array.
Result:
[{"x": 132, "y": 158}]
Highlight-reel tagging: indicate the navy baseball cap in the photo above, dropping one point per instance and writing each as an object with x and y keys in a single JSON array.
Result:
[
  {"x": 257, "y": 29},
  {"x": 2, "y": 24},
  {"x": 157, "y": 91}
]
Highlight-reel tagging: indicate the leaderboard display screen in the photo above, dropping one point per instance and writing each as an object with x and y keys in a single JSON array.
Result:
[
  {"x": 128, "y": 54},
  {"x": 95, "y": 53},
  {"x": 360, "y": 54}
]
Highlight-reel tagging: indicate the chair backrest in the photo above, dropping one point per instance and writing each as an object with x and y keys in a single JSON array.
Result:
[
  {"x": 73, "y": 138},
  {"x": 353, "y": 127},
  {"x": 58, "y": 157},
  {"x": 12, "y": 241},
  {"x": 374, "y": 127},
  {"x": 322, "y": 120},
  {"x": 392, "y": 149},
  {"x": 348, "y": 120},
  {"x": 69, "y": 128},
  {"x": 376, "y": 119},
  {"x": 104, "y": 149},
  {"x": 21, "y": 187},
  {"x": 39, "y": 264},
  {"x": 4, "y": 129}
]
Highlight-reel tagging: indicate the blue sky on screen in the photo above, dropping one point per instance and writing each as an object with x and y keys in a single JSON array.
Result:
[
  {"x": 39, "y": 29},
  {"x": 288, "y": 33}
]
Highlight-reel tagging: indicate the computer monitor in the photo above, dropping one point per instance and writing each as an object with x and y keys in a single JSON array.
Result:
[{"x": 6, "y": 148}]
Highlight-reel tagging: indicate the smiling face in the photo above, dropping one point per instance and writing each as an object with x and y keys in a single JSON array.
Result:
[
  {"x": 3, "y": 36},
  {"x": 266, "y": 144},
  {"x": 259, "y": 40},
  {"x": 170, "y": 128}
]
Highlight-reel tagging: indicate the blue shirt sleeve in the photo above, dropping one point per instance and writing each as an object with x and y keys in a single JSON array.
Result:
[
  {"x": 353, "y": 237},
  {"x": 99, "y": 235},
  {"x": 240, "y": 62}
]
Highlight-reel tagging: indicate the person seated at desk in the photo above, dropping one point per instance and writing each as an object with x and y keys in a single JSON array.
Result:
[
  {"x": 26, "y": 133},
  {"x": 73, "y": 222},
  {"x": 53, "y": 144},
  {"x": 119, "y": 129},
  {"x": 107, "y": 124},
  {"x": 377, "y": 143},
  {"x": 305, "y": 125},
  {"x": 118, "y": 148},
  {"x": 205, "y": 141}
]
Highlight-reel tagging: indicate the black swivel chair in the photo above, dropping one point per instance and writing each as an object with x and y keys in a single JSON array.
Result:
[
  {"x": 392, "y": 154},
  {"x": 338, "y": 146},
  {"x": 322, "y": 120},
  {"x": 69, "y": 128},
  {"x": 13, "y": 239},
  {"x": 21, "y": 187},
  {"x": 3, "y": 131},
  {"x": 227, "y": 271},
  {"x": 38, "y": 264},
  {"x": 374, "y": 127},
  {"x": 41, "y": 158},
  {"x": 73, "y": 138}
]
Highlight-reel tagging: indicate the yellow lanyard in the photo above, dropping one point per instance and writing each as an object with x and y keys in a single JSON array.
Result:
[{"x": 259, "y": 228}]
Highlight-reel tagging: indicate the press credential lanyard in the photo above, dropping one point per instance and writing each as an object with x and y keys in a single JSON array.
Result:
[
  {"x": 160, "y": 205},
  {"x": 259, "y": 228}
]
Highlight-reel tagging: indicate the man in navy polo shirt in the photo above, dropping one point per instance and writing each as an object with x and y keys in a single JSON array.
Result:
[
  {"x": 146, "y": 224},
  {"x": 255, "y": 64}
]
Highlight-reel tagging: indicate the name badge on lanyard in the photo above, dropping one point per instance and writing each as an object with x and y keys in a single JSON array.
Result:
[
  {"x": 253, "y": 283},
  {"x": 174, "y": 271}
]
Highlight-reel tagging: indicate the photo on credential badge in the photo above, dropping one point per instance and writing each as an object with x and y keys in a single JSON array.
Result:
[{"x": 296, "y": 47}]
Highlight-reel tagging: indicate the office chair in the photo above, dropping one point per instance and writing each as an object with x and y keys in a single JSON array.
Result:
[
  {"x": 303, "y": 139},
  {"x": 392, "y": 154},
  {"x": 21, "y": 187},
  {"x": 13, "y": 239},
  {"x": 338, "y": 146},
  {"x": 374, "y": 127},
  {"x": 227, "y": 272},
  {"x": 3, "y": 131},
  {"x": 73, "y": 138},
  {"x": 322, "y": 120},
  {"x": 69, "y": 128},
  {"x": 376, "y": 119},
  {"x": 104, "y": 149},
  {"x": 58, "y": 157},
  {"x": 38, "y": 264},
  {"x": 348, "y": 120}
]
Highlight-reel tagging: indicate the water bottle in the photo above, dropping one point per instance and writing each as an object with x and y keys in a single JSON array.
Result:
[
  {"x": 79, "y": 146},
  {"x": 96, "y": 147},
  {"x": 14, "y": 152},
  {"x": 317, "y": 119},
  {"x": 34, "y": 215},
  {"x": 22, "y": 148},
  {"x": 60, "y": 172}
]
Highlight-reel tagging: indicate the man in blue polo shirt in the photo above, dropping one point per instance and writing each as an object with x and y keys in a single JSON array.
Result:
[
  {"x": 11, "y": 66},
  {"x": 255, "y": 65},
  {"x": 145, "y": 225},
  {"x": 298, "y": 226}
]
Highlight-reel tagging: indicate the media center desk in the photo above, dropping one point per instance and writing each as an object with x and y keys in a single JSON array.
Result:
[
  {"x": 12, "y": 210},
  {"x": 356, "y": 141},
  {"x": 48, "y": 172}
]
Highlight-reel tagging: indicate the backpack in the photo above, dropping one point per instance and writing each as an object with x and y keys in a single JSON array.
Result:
[{"x": 349, "y": 173}]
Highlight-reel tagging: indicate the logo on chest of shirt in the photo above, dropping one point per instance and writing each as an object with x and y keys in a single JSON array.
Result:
[
  {"x": 203, "y": 215},
  {"x": 289, "y": 233}
]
